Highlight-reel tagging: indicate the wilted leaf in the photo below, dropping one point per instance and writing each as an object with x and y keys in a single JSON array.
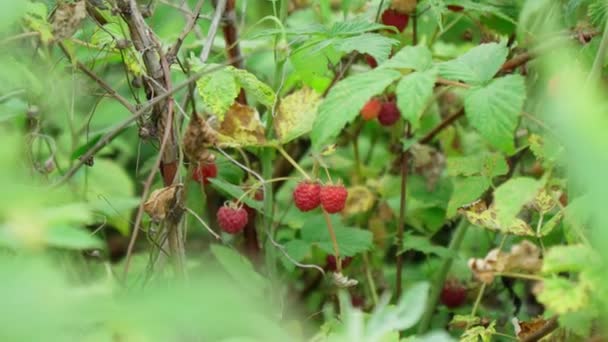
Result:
[
  {"x": 544, "y": 202},
  {"x": 525, "y": 329},
  {"x": 160, "y": 202},
  {"x": 360, "y": 199},
  {"x": 241, "y": 127},
  {"x": 562, "y": 295},
  {"x": 524, "y": 257},
  {"x": 488, "y": 219},
  {"x": 478, "y": 333},
  {"x": 296, "y": 114},
  {"x": 197, "y": 138},
  {"x": 511, "y": 196},
  {"x": 466, "y": 190},
  {"x": 218, "y": 90},
  {"x": 66, "y": 18}
]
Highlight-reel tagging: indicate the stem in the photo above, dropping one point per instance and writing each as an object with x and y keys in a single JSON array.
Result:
[
  {"x": 538, "y": 228},
  {"x": 455, "y": 244},
  {"x": 519, "y": 275},
  {"x": 334, "y": 241},
  {"x": 478, "y": 299},
  {"x": 292, "y": 162},
  {"x": 596, "y": 69},
  {"x": 415, "y": 28},
  {"x": 370, "y": 279},
  {"x": 401, "y": 223}
]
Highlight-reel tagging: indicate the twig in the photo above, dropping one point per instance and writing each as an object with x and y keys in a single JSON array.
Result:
[
  {"x": 405, "y": 168},
  {"x": 441, "y": 126},
  {"x": 190, "y": 25},
  {"x": 193, "y": 213},
  {"x": 219, "y": 10}
]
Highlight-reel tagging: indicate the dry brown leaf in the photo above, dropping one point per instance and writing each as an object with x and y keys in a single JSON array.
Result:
[
  {"x": 479, "y": 215},
  {"x": 428, "y": 162},
  {"x": 404, "y": 6},
  {"x": 524, "y": 257},
  {"x": 67, "y": 17},
  {"x": 160, "y": 202},
  {"x": 197, "y": 138},
  {"x": 524, "y": 329},
  {"x": 360, "y": 199}
]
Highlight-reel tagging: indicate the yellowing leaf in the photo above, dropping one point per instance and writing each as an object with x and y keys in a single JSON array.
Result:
[
  {"x": 241, "y": 127},
  {"x": 360, "y": 199},
  {"x": 296, "y": 114}
]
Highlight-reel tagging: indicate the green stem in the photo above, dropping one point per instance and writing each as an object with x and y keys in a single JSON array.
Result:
[
  {"x": 596, "y": 69},
  {"x": 478, "y": 300},
  {"x": 455, "y": 244},
  {"x": 370, "y": 279},
  {"x": 334, "y": 241}
]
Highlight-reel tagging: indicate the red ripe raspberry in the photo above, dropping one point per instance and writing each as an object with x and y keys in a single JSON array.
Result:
[
  {"x": 371, "y": 109},
  {"x": 232, "y": 219},
  {"x": 203, "y": 172},
  {"x": 389, "y": 114},
  {"x": 331, "y": 265},
  {"x": 306, "y": 195},
  {"x": 357, "y": 301},
  {"x": 455, "y": 8},
  {"x": 453, "y": 294},
  {"x": 392, "y": 17},
  {"x": 371, "y": 61},
  {"x": 333, "y": 198}
]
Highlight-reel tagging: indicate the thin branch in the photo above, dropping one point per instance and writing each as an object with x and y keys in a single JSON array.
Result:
[
  {"x": 405, "y": 167},
  {"x": 441, "y": 126},
  {"x": 190, "y": 25},
  {"x": 545, "y": 330},
  {"x": 219, "y": 11}
]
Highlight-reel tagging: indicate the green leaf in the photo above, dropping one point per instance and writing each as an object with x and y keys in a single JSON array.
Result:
[
  {"x": 345, "y": 100},
  {"x": 494, "y": 110},
  {"x": 110, "y": 191},
  {"x": 353, "y": 27},
  {"x": 561, "y": 295},
  {"x": 466, "y": 191},
  {"x": 350, "y": 240},
  {"x": 408, "y": 311},
  {"x": 296, "y": 114},
  {"x": 86, "y": 147},
  {"x": 477, "y": 66},
  {"x": 414, "y": 91},
  {"x": 417, "y": 57},
  {"x": 218, "y": 91},
  {"x": 436, "y": 10},
  {"x": 297, "y": 250},
  {"x": 512, "y": 195},
  {"x": 574, "y": 258},
  {"x": 551, "y": 224},
  {"x": 240, "y": 269},
  {"x": 488, "y": 165},
  {"x": 373, "y": 44},
  {"x": 236, "y": 192},
  {"x": 479, "y": 333},
  {"x": 254, "y": 88},
  {"x": 424, "y": 245},
  {"x": 69, "y": 237}
]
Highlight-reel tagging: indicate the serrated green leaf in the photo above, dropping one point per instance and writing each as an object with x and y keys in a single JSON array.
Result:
[
  {"x": 350, "y": 240},
  {"x": 353, "y": 27},
  {"x": 345, "y": 100},
  {"x": 436, "y": 10},
  {"x": 240, "y": 269},
  {"x": 512, "y": 195},
  {"x": 414, "y": 91},
  {"x": 296, "y": 114},
  {"x": 373, "y": 44},
  {"x": 466, "y": 191},
  {"x": 551, "y": 224},
  {"x": 236, "y": 192},
  {"x": 574, "y": 258},
  {"x": 424, "y": 245},
  {"x": 477, "y": 66},
  {"x": 218, "y": 91},
  {"x": 417, "y": 57},
  {"x": 495, "y": 108},
  {"x": 254, "y": 88},
  {"x": 561, "y": 295},
  {"x": 486, "y": 164},
  {"x": 478, "y": 333}
]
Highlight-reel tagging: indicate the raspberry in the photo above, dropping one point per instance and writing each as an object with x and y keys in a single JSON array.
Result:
[
  {"x": 203, "y": 172},
  {"x": 371, "y": 61},
  {"x": 391, "y": 17},
  {"x": 371, "y": 109},
  {"x": 389, "y": 114},
  {"x": 306, "y": 196},
  {"x": 453, "y": 294},
  {"x": 333, "y": 198},
  {"x": 455, "y": 8},
  {"x": 231, "y": 218},
  {"x": 330, "y": 262}
]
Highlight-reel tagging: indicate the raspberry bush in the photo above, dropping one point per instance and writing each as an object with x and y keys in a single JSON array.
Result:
[{"x": 303, "y": 170}]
